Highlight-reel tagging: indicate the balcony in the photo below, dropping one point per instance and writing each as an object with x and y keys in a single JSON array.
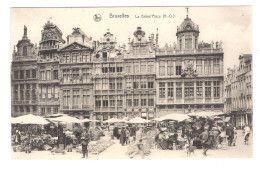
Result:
[
  {"x": 76, "y": 107},
  {"x": 161, "y": 52},
  {"x": 189, "y": 100},
  {"x": 24, "y": 58},
  {"x": 24, "y": 101},
  {"x": 49, "y": 47}
]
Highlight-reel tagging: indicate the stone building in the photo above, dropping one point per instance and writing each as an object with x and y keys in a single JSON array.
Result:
[
  {"x": 24, "y": 77},
  {"x": 75, "y": 67},
  {"x": 238, "y": 92},
  {"x": 189, "y": 74},
  {"x": 108, "y": 78},
  {"x": 48, "y": 68}
]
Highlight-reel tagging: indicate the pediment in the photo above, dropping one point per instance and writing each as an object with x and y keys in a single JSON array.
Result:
[{"x": 74, "y": 46}]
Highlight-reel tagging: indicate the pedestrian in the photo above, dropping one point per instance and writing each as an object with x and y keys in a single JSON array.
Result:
[
  {"x": 85, "y": 139},
  {"x": 139, "y": 143},
  {"x": 235, "y": 137},
  {"x": 123, "y": 136},
  {"x": 17, "y": 138},
  {"x": 127, "y": 136},
  {"x": 230, "y": 134},
  {"x": 246, "y": 131},
  {"x": 205, "y": 141}
]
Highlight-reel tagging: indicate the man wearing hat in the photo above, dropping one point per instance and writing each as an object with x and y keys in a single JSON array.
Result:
[{"x": 85, "y": 138}]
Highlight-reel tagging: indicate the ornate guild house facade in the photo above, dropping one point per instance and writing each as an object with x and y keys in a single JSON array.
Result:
[{"x": 100, "y": 79}]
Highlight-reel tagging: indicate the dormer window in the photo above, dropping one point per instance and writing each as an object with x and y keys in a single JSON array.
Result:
[
  {"x": 25, "y": 51},
  {"x": 188, "y": 27}
]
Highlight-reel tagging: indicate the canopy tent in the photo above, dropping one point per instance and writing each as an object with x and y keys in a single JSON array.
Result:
[
  {"x": 65, "y": 119},
  {"x": 85, "y": 120},
  {"x": 114, "y": 120},
  {"x": 206, "y": 113},
  {"x": 175, "y": 117},
  {"x": 138, "y": 120},
  {"x": 29, "y": 119}
]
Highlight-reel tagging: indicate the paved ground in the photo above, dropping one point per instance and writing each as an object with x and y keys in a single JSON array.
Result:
[{"x": 117, "y": 151}]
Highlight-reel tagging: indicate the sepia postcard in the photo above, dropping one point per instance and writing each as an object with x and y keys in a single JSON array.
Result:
[{"x": 131, "y": 83}]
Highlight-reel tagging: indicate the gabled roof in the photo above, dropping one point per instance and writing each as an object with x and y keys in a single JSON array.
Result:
[{"x": 75, "y": 46}]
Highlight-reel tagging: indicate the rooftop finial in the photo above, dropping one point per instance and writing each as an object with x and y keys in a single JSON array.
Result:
[
  {"x": 25, "y": 31},
  {"x": 107, "y": 30},
  {"x": 187, "y": 11}
]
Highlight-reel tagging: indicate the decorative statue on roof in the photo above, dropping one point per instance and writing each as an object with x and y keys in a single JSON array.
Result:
[
  {"x": 25, "y": 31},
  {"x": 212, "y": 44},
  {"x": 220, "y": 45},
  {"x": 217, "y": 46},
  {"x": 174, "y": 45}
]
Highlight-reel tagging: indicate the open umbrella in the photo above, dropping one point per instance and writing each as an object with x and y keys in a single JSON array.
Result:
[
  {"x": 114, "y": 120},
  {"x": 65, "y": 119},
  {"x": 138, "y": 120},
  {"x": 85, "y": 120},
  {"x": 30, "y": 119},
  {"x": 206, "y": 113},
  {"x": 175, "y": 117}
]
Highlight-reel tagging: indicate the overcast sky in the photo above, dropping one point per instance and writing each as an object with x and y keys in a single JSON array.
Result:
[{"x": 231, "y": 25}]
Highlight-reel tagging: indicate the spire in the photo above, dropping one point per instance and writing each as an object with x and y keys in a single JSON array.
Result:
[
  {"x": 25, "y": 32},
  {"x": 187, "y": 9}
]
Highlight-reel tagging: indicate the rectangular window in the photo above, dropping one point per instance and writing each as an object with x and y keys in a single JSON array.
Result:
[
  {"x": 119, "y": 84},
  {"x": 112, "y": 101},
  {"x": 15, "y": 92},
  {"x": 143, "y": 82},
  {"x": 112, "y": 84},
  {"x": 178, "y": 67},
  {"x": 66, "y": 97},
  {"x": 198, "y": 66},
  {"x": 129, "y": 100},
  {"x": 105, "y": 101},
  {"x": 16, "y": 74},
  {"x": 143, "y": 100},
  {"x": 150, "y": 67},
  {"x": 161, "y": 89},
  {"x": 48, "y": 110},
  {"x": 199, "y": 91},
  {"x": 188, "y": 89},
  {"x": 104, "y": 68},
  {"x": 136, "y": 67},
  {"x": 150, "y": 83},
  {"x": 105, "y": 84},
  {"x": 56, "y": 91},
  {"x": 21, "y": 92},
  {"x": 98, "y": 101},
  {"x": 85, "y": 75},
  {"x": 76, "y": 96},
  {"x": 170, "y": 89},
  {"x": 162, "y": 68},
  {"x": 21, "y": 109},
  {"x": 28, "y": 74},
  {"x": 207, "y": 66},
  {"x": 75, "y": 58},
  {"x": 66, "y": 58},
  {"x": 86, "y": 98},
  {"x": 180, "y": 42},
  {"x": 136, "y": 100},
  {"x": 170, "y": 68},
  {"x": 112, "y": 69},
  {"x": 49, "y": 91},
  {"x": 27, "y": 93},
  {"x": 136, "y": 83},
  {"x": 129, "y": 83},
  {"x": 75, "y": 75},
  {"x": 119, "y": 69},
  {"x": 178, "y": 90},
  {"x": 66, "y": 75},
  {"x": 48, "y": 75},
  {"x": 43, "y": 111},
  {"x": 43, "y": 92},
  {"x": 150, "y": 100},
  {"x": 43, "y": 75},
  {"x": 120, "y": 101},
  {"x": 55, "y": 74},
  {"x": 216, "y": 89},
  {"x": 188, "y": 42},
  {"x": 55, "y": 110},
  {"x": 216, "y": 66},
  {"x": 208, "y": 89},
  {"x": 33, "y": 73},
  {"x": 21, "y": 74}
]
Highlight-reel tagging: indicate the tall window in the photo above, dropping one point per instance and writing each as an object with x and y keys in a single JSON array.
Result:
[
  {"x": 150, "y": 83},
  {"x": 119, "y": 100},
  {"x": 112, "y": 83},
  {"x": 136, "y": 83},
  {"x": 105, "y": 101},
  {"x": 43, "y": 111},
  {"x": 86, "y": 98},
  {"x": 170, "y": 68},
  {"x": 56, "y": 91},
  {"x": 136, "y": 100},
  {"x": 105, "y": 84},
  {"x": 178, "y": 90},
  {"x": 143, "y": 66},
  {"x": 66, "y": 97},
  {"x": 143, "y": 100},
  {"x": 150, "y": 100},
  {"x": 33, "y": 91},
  {"x": 66, "y": 75},
  {"x": 199, "y": 89},
  {"x": 112, "y": 101},
  {"x": 178, "y": 67},
  {"x": 198, "y": 66},
  {"x": 180, "y": 41},
  {"x": 207, "y": 66},
  {"x": 119, "y": 84},
  {"x": 55, "y": 74},
  {"x": 27, "y": 93},
  {"x": 162, "y": 68},
  {"x": 33, "y": 73},
  {"x": 170, "y": 89},
  {"x": 129, "y": 100},
  {"x": 162, "y": 89},
  {"x": 27, "y": 74},
  {"x": 25, "y": 51},
  {"x": 76, "y": 97},
  {"x": 216, "y": 66},
  {"x": 104, "y": 68},
  {"x": 66, "y": 58},
  {"x": 129, "y": 83},
  {"x": 75, "y": 75},
  {"x": 128, "y": 67},
  {"x": 21, "y": 74},
  {"x": 208, "y": 89},
  {"x": 143, "y": 82},
  {"x": 21, "y": 92},
  {"x": 16, "y": 74},
  {"x": 15, "y": 92},
  {"x": 216, "y": 89},
  {"x": 75, "y": 58},
  {"x": 49, "y": 93},
  {"x": 43, "y": 91},
  {"x": 189, "y": 89},
  {"x": 136, "y": 67},
  {"x": 188, "y": 42},
  {"x": 98, "y": 101},
  {"x": 48, "y": 75},
  {"x": 85, "y": 75}
]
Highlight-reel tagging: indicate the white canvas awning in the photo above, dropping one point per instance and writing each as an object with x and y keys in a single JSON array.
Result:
[
  {"x": 29, "y": 119},
  {"x": 138, "y": 120},
  {"x": 173, "y": 116}
]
